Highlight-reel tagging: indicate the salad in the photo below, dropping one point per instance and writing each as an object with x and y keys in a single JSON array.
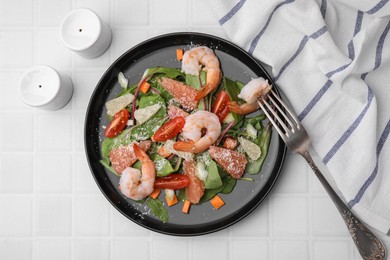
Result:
[{"x": 185, "y": 135}]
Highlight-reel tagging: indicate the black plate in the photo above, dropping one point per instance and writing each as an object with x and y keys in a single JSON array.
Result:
[{"x": 203, "y": 219}]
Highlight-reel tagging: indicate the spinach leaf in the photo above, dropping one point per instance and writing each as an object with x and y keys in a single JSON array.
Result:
[
  {"x": 196, "y": 81},
  {"x": 137, "y": 165},
  {"x": 147, "y": 129},
  {"x": 254, "y": 167},
  {"x": 167, "y": 72},
  {"x": 227, "y": 182},
  {"x": 110, "y": 143},
  {"x": 108, "y": 167},
  {"x": 230, "y": 183},
  {"x": 158, "y": 209},
  {"x": 233, "y": 90},
  {"x": 181, "y": 195}
]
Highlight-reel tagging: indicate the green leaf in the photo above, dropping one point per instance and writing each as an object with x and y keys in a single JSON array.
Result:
[
  {"x": 233, "y": 90},
  {"x": 213, "y": 179},
  {"x": 137, "y": 165},
  {"x": 162, "y": 165},
  {"x": 158, "y": 209},
  {"x": 254, "y": 167},
  {"x": 227, "y": 186},
  {"x": 196, "y": 81},
  {"x": 108, "y": 167},
  {"x": 181, "y": 195},
  {"x": 147, "y": 129},
  {"x": 110, "y": 143},
  {"x": 150, "y": 100},
  {"x": 167, "y": 72},
  {"x": 230, "y": 183}
]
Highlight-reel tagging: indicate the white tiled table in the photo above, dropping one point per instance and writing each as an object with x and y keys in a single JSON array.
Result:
[{"x": 50, "y": 206}]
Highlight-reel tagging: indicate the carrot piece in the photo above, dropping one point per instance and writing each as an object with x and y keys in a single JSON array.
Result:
[
  {"x": 155, "y": 193},
  {"x": 144, "y": 87},
  {"x": 217, "y": 202},
  {"x": 163, "y": 152},
  {"x": 179, "y": 54},
  {"x": 186, "y": 206},
  {"x": 171, "y": 202}
]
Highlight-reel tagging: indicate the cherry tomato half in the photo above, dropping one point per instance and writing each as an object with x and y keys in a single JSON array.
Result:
[
  {"x": 169, "y": 130},
  {"x": 173, "y": 181},
  {"x": 117, "y": 124},
  {"x": 220, "y": 107}
]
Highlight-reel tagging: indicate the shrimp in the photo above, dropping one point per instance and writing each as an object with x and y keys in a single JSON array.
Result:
[
  {"x": 135, "y": 185},
  {"x": 195, "y": 124},
  {"x": 250, "y": 93},
  {"x": 193, "y": 60}
]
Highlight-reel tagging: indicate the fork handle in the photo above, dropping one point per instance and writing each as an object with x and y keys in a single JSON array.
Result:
[{"x": 369, "y": 246}]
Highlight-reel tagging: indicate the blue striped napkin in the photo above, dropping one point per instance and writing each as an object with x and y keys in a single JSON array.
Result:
[{"x": 331, "y": 59}]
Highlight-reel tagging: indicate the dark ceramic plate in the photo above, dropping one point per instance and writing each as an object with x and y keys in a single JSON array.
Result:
[{"x": 203, "y": 219}]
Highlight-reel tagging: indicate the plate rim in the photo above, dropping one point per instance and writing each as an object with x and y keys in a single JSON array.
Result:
[{"x": 249, "y": 207}]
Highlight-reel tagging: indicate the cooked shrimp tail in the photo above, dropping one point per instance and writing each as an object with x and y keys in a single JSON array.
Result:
[
  {"x": 250, "y": 93},
  {"x": 135, "y": 185},
  {"x": 140, "y": 154},
  {"x": 244, "y": 109},
  {"x": 194, "y": 59},
  {"x": 204, "y": 91}
]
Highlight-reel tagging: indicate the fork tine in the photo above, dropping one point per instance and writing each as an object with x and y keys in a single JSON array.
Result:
[
  {"x": 280, "y": 132},
  {"x": 275, "y": 114},
  {"x": 282, "y": 113},
  {"x": 291, "y": 113}
]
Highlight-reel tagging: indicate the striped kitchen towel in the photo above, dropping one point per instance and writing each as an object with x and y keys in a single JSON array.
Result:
[{"x": 331, "y": 59}]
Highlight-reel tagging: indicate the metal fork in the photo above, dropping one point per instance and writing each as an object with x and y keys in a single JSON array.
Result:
[{"x": 297, "y": 140}]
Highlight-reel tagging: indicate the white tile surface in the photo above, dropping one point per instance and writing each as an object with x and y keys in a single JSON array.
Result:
[
  {"x": 9, "y": 91},
  {"x": 324, "y": 250},
  {"x": 53, "y": 173},
  {"x": 175, "y": 248},
  {"x": 16, "y": 249},
  {"x": 50, "y": 206},
  {"x": 97, "y": 249},
  {"x": 53, "y": 216},
  {"x": 54, "y": 132},
  {"x": 19, "y": 137},
  {"x": 12, "y": 14},
  {"x": 16, "y": 48},
  {"x": 249, "y": 249},
  {"x": 48, "y": 249},
  {"x": 164, "y": 14},
  {"x": 124, "y": 248},
  {"x": 52, "y": 12},
  {"x": 51, "y": 51},
  {"x": 86, "y": 222},
  {"x": 16, "y": 177},
  {"x": 290, "y": 249},
  {"x": 15, "y": 216},
  {"x": 203, "y": 248},
  {"x": 290, "y": 216},
  {"x": 131, "y": 12}
]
